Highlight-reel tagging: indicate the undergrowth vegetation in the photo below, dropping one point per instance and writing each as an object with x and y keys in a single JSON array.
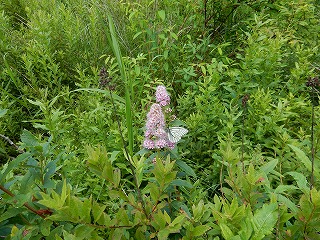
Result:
[{"x": 88, "y": 151}]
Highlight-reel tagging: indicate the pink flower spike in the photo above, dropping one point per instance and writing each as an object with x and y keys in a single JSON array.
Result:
[
  {"x": 161, "y": 143},
  {"x": 171, "y": 145},
  {"x": 149, "y": 144},
  {"x": 162, "y": 96}
]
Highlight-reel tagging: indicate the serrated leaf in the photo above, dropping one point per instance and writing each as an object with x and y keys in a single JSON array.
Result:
[
  {"x": 301, "y": 181},
  {"x": 284, "y": 188},
  {"x": 97, "y": 211},
  {"x": 305, "y": 160},
  {"x": 85, "y": 210},
  {"x": 28, "y": 139},
  {"x": 83, "y": 232},
  {"x": 269, "y": 166},
  {"x": 264, "y": 220}
]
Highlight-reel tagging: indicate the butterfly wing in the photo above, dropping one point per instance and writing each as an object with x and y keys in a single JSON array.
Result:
[{"x": 176, "y": 133}]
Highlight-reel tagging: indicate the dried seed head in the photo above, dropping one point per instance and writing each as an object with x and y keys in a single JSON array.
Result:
[
  {"x": 245, "y": 100},
  {"x": 105, "y": 80},
  {"x": 313, "y": 82}
]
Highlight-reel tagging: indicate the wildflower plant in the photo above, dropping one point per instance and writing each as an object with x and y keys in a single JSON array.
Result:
[{"x": 156, "y": 130}]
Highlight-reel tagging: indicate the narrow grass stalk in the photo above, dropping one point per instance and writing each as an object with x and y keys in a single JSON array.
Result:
[
  {"x": 312, "y": 144},
  {"x": 128, "y": 83},
  {"x": 128, "y": 94},
  {"x": 244, "y": 105}
]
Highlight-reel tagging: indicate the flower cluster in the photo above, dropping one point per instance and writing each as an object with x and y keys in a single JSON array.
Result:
[
  {"x": 156, "y": 136},
  {"x": 162, "y": 96}
]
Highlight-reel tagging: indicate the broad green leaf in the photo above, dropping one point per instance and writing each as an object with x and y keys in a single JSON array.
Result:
[
  {"x": 305, "y": 160},
  {"x": 11, "y": 212},
  {"x": 45, "y": 227},
  {"x": 163, "y": 234},
  {"x": 3, "y": 112},
  {"x": 178, "y": 220},
  {"x": 226, "y": 231},
  {"x": 83, "y": 232},
  {"x": 284, "y": 188},
  {"x": 181, "y": 183},
  {"x": 264, "y": 220},
  {"x": 97, "y": 211},
  {"x": 162, "y": 14},
  {"x": 200, "y": 230},
  {"x": 68, "y": 236},
  {"x": 14, "y": 163},
  {"x": 85, "y": 210},
  {"x": 268, "y": 167},
  {"x": 291, "y": 205},
  {"x": 28, "y": 139},
  {"x": 301, "y": 181},
  {"x": 185, "y": 168}
]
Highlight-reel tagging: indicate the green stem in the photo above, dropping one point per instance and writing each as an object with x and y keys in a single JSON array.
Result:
[{"x": 312, "y": 143}]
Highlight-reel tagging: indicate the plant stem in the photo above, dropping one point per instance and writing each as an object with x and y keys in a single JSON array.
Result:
[
  {"x": 128, "y": 156},
  {"x": 312, "y": 143},
  {"x": 242, "y": 140},
  {"x": 11, "y": 143},
  {"x": 7, "y": 191}
]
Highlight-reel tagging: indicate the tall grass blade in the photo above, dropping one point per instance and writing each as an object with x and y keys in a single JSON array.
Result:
[{"x": 128, "y": 83}]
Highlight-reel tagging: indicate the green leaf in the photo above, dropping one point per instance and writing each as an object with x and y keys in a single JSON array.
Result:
[
  {"x": 301, "y": 181},
  {"x": 226, "y": 231},
  {"x": 3, "y": 112},
  {"x": 105, "y": 92},
  {"x": 11, "y": 212},
  {"x": 269, "y": 166},
  {"x": 305, "y": 160},
  {"x": 163, "y": 234},
  {"x": 83, "y": 232},
  {"x": 185, "y": 168},
  {"x": 284, "y": 188},
  {"x": 162, "y": 14},
  {"x": 85, "y": 210},
  {"x": 178, "y": 220},
  {"x": 28, "y": 139},
  {"x": 14, "y": 163},
  {"x": 200, "y": 230},
  {"x": 136, "y": 35},
  {"x": 264, "y": 220},
  {"x": 288, "y": 203},
  {"x": 97, "y": 211},
  {"x": 181, "y": 183},
  {"x": 45, "y": 227}
]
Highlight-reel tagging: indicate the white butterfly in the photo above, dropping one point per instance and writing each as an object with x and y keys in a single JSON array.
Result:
[{"x": 176, "y": 133}]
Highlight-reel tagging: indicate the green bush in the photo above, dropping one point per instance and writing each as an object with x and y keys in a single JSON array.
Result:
[{"x": 77, "y": 81}]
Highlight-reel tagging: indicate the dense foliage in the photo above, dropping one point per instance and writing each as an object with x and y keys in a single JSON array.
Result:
[{"x": 78, "y": 79}]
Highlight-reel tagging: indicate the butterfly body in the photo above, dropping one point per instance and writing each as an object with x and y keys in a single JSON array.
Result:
[{"x": 176, "y": 133}]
